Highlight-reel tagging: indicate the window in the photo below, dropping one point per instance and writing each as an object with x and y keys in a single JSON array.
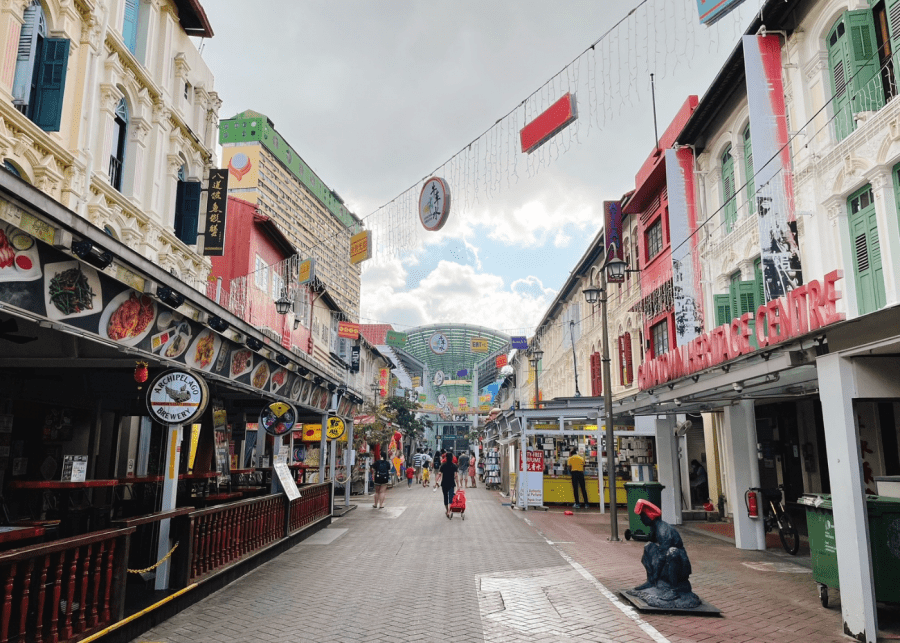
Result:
[
  {"x": 654, "y": 239},
  {"x": 729, "y": 203},
  {"x": 277, "y": 286},
  {"x": 868, "y": 273},
  {"x": 12, "y": 169},
  {"x": 41, "y": 65},
  {"x": 626, "y": 368},
  {"x": 117, "y": 153},
  {"x": 187, "y": 208},
  {"x": 130, "y": 24},
  {"x": 748, "y": 171},
  {"x": 261, "y": 274},
  {"x": 659, "y": 334}
]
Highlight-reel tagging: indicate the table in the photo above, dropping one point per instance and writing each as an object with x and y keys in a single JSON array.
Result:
[
  {"x": 88, "y": 516},
  {"x": 12, "y": 534}
]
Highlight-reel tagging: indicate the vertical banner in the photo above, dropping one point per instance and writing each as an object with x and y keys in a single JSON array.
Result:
[
  {"x": 216, "y": 205},
  {"x": 360, "y": 247},
  {"x": 685, "y": 253},
  {"x": 774, "y": 182},
  {"x": 384, "y": 381},
  {"x": 612, "y": 230}
]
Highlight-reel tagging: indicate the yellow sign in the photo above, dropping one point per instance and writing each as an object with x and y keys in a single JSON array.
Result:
[
  {"x": 307, "y": 271},
  {"x": 360, "y": 247},
  {"x": 416, "y": 382},
  {"x": 479, "y": 345},
  {"x": 546, "y": 426},
  {"x": 192, "y": 452},
  {"x": 312, "y": 433},
  {"x": 335, "y": 428}
]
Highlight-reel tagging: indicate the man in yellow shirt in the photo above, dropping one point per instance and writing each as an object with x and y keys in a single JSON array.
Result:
[{"x": 576, "y": 470}]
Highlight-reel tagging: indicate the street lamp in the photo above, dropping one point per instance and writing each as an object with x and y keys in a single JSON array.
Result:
[
  {"x": 534, "y": 360},
  {"x": 283, "y": 304},
  {"x": 574, "y": 361}
]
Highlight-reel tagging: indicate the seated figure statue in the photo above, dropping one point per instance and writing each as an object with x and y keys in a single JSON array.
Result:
[{"x": 666, "y": 563}]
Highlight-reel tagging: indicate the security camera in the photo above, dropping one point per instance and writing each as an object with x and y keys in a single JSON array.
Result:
[{"x": 738, "y": 386}]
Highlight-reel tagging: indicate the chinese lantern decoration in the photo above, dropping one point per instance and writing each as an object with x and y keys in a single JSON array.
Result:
[{"x": 140, "y": 373}]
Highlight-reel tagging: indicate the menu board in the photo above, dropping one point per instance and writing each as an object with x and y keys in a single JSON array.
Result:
[
  {"x": 74, "y": 468},
  {"x": 287, "y": 481},
  {"x": 220, "y": 438}
]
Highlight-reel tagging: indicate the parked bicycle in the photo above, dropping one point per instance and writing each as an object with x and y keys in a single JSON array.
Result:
[{"x": 777, "y": 518}]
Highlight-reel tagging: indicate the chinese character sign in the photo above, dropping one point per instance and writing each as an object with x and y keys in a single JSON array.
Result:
[
  {"x": 501, "y": 361},
  {"x": 216, "y": 204},
  {"x": 612, "y": 227},
  {"x": 384, "y": 381},
  {"x": 360, "y": 247}
]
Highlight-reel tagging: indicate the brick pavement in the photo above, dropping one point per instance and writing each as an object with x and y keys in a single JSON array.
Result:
[{"x": 407, "y": 573}]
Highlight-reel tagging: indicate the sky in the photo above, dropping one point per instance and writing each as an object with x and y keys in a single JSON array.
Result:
[{"x": 377, "y": 96}]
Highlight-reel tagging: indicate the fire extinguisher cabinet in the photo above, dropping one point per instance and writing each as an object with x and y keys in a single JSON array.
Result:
[{"x": 634, "y": 491}]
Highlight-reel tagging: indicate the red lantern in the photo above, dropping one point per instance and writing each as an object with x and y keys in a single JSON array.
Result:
[{"x": 140, "y": 373}]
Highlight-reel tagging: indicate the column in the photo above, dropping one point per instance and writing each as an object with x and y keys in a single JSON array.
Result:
[
  {"x": 323, "y": 445},
  {"x": 169, "y": 491},
  {"x": 888, "y": 230},
  {"x": 667, "y": 465},
  {"x": 741, "y": 452},
  {"x": 837, "y": 388},
  {"x": 349, "y": 461}
]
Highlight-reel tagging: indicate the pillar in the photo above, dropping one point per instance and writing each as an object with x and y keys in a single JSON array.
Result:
[
  {"x": 837, "y": 388},
  {"x": 169, "y": 491},
  {"x": 667, "y": 466},
  {"x": 741, "y": 451},
  {"x": 888, "y": 228}
]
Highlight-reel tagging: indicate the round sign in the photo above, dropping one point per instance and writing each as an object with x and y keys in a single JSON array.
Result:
[
  {"x": 434, "y": 204},
  {"x": 278, "y": 418},
  {"x": 177, "y": 397},
  {"x": 335, "y": 428},
  {"x": 439, "y": 343},
  {"x": 438, "y": 378},
  {"x": 442, "y": 400}
]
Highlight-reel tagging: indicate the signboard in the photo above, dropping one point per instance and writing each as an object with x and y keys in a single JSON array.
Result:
[
  {"x": 384, "y": 381},
  {"x": 216, "y": 206},
  {"x": 348, "y": 330},
  {"x": 501, "y": 361},
  {"x": 177, "y": 397},
  {"x": 220, "y": 443},
  {"x": 612, "y": 229},
  {"x": 774, "y": 181},
  {"x": 685, "y": 245},
  {"x": 462, "y": 372},
  {"x": 312, "y": 433},
  {"x": 74, "y": 468},
  {"x": 393, "y": 338},
  {"x": 434, "y": 204},
  {"x": 519, "y": 343},
  {"x": 438, "y": 343},
  {"x": 416, "y": 382},
  {"x": 307, "y": 271},
  {"x": 479, "y": 345},
  {"x": 551, "y": 121},
  {"x": 354, "y": 359},
  {"x": 463, "y": 402},
  {"x": 804, "y": 309},
  {"x": 360, "y": 247},
  {"x": 711, "y": 10},
  {"x": 335, "y": 428},
  {"x": 530, "y": 479},
  {"x": 278, "y": 418},
  {"x": 438, "y": 378},
  {"x": 287, "y": 480}
]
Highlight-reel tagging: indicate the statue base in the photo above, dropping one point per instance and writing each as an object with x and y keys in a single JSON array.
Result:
[{"x": 668, "y": 607}]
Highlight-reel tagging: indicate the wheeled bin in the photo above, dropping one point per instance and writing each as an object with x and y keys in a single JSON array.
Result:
[
  {"x": 634, "y": 491},
  {"x": 884, "y": 536}
]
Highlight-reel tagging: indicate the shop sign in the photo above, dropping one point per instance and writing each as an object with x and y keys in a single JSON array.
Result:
[
  {"x": 360, "y": 247},
  {"x": 416, "y": 382},
  {"x": 306, "y": 272},
  {"x": 438, "y": 378},
  {"x": 462, "y": 372},
  {"x": 612, "y": 225},
  {"x": 278, "y": 418},
  {"x": 463, "y": 402},
  {"x": 177, "y": 397},
  {"x": 530, "y": 481},
  {"x": 384, "y": 381},
  {"x": 479, "y": 345},
  {"x": 546, "y": 426},
  {"x": 335, "y": 428},
  {"x": 551, "y": 121},
  {"x": 312, "y": 432},
  {"x": 434, "y": 204},
  {"x": 354, "y": 359},
  {"x": 519, "y": 343},
  {"x": 216, "y": 206},
  {"x": 501, "y": 361},
  {"x": 804, "y": 309},
  {"x": 393, "y": 338},
  {"x": 438, "y": 343},
  {"x": 348, "y": 330}
]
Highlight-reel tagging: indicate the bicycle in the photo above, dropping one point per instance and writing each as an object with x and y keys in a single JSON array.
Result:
[{"x": 777, "y": 518}]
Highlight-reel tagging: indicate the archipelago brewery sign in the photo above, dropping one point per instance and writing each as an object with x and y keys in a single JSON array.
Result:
[{"x": 177, "y": 397}]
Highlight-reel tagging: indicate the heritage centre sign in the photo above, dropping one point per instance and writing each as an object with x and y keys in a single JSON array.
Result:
[{"x": 802, "y": 310}]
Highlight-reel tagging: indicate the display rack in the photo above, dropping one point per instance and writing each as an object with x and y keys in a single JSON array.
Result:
[{"x": 492, "y": 470}]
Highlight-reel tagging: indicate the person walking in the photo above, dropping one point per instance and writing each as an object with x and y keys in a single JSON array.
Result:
[
  {"x": 472, "y": 459},
  {"x": 446, "y": 477},
  {"x": 576, "y": 470},
  {"x": 381, "y": 477},
  {"x": 410, "y": 474},
  {"x": 463, "y": 470},
  {"x": 417, "y": 463}
]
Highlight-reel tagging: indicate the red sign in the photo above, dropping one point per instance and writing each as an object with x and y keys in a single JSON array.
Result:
[
  {"x": 501, "y": 361},
  {"x": 384, "y": 381},
  {"x": 803, "y": 309},
  {"x": 554, "y": 119},
  {"x": 535, "y": 461},
  {"x": 348, "y": 330}
]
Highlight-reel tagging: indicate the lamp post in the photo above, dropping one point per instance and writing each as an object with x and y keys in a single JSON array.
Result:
[
  {"x": 574, "y": 361},
  {"x": 616, "y": 268},
  {"x": 534, "y": 360}
]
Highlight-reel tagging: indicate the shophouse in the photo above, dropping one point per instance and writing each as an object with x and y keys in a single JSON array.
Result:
[{"x": 264, "y": 169}]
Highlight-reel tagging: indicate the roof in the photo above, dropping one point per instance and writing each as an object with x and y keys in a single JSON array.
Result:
[
  {"x": 193, "y": 18},
  {"x": 274, "y": 232}
]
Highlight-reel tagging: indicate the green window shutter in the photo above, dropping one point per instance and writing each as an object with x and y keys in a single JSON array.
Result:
[
  {"x": 840, "y": 73},
  {"x": 760, "y": 284},
  {"x": 723, "y": 309},
  {"x": 746, "y": 297},
  {"x": 748, "y": 170},
  {"x": 892, "y": 9},
  {"x": 868, "y": 92},
  {"x": 50, "y": 84},
  {"x": 729, "y": 213},
  {"x": 868, "y": 272},
  {"x": 130, "y": 24},
  {"x": 27, "y": 53},
  {"x": 187, "y": 211}
]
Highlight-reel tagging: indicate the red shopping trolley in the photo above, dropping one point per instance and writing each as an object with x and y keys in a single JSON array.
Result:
[{"x": 458, "y": 504}]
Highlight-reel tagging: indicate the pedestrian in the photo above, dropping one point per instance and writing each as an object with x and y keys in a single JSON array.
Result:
[
  {"x": 417, "y": 463},
  {"x": 699, "y": 482},
  {"x": 425, "y": 474},
  {"x": 410, "y": 475},
  {"x": 381, "y": 476},
  {"x": 576, "y": 470},
  {"x": 395, "y": 474},
  {"x": 463, "y": 470},
  {"x": 446, "y": 477},
  {"x": 472, "y": 468},
  {"x": 481, "y": 469}
]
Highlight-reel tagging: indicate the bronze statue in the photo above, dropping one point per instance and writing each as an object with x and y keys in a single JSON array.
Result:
[{"x": 666, "y": 562}]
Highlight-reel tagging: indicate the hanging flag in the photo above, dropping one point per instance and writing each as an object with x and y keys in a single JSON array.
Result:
[
  {"x": 393, "y": 338},
  {"x": 360, "y": 247},
  {"x": 348, "y": 330},
  {"x": 519, "y": 343}
]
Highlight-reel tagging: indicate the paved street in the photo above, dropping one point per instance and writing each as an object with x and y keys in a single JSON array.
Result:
[{"x": 407, "y": 573}]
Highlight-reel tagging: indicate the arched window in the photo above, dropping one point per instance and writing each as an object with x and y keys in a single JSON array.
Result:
[
  {"x": 748, "y": 171},
  {"x": 12, "y": 169},
  {"x": 117, "y": 153},
  {"x": 729, "y": 210},
  {"x": 41, "y": 64}
]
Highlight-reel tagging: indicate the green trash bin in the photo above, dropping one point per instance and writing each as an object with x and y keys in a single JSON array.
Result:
[
  {"x": 884, "y": 536},
  {"x": 634, "y": 491}
]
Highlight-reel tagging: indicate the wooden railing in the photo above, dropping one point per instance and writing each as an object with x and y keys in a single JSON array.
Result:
[
  {"x": 64, "y": 589},
  {"x": 314, "y": 503}
]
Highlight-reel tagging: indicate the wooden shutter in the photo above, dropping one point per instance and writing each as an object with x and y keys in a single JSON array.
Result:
[
  {"x": 620, "y": 346},
  {"x": 867, "y": 268},
  {"x": 892, "y": 10},
  {"x": 729, "y": 213},
  {"x": 26, "y": 56},
  {"x": 187, "y": 211},
  {"x": 50, "y": 83},
  {"x": 722, "y": 304},
  {"x": 596, "y": 375},
  {"x": 748, "y": 171},
  {"x": 868, "y": 92},
  {"x": 760, "y": 284},
  {"x": 629, "y": 362},
  {"x": 840, "y": 74},
  {"x": 130, "y": 24}
]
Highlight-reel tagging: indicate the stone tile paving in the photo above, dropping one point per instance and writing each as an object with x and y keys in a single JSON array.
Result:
[{"x": 407, "y": 573}]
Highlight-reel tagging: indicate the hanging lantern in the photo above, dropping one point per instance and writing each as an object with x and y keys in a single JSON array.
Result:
[{"x": 140, "y": 373}]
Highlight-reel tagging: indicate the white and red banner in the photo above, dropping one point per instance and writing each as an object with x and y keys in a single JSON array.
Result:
[
  {"x": 772, "y": 156},
  {"x": 685, "y": 244}
]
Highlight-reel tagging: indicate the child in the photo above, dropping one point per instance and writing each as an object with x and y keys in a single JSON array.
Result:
[
  {"x": 425, "y": 474},
  {"x": 410, "y": 474}
]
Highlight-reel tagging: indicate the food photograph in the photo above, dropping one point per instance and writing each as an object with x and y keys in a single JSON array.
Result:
[
  {"x": 71, "y": 289},
  {"x": 18, "y": 255},
  {"x": 129, "y": 317},
  {"x": 203, "y": 351}
]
